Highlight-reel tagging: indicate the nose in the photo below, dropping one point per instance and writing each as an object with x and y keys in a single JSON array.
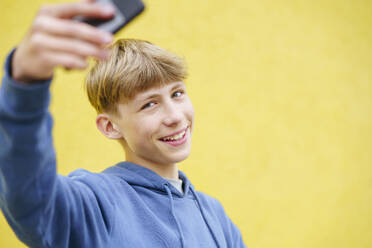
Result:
[{"x": 172, "y": 114}]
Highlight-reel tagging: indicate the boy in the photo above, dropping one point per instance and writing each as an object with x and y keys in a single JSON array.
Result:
[{"x": 141, "y": 101}]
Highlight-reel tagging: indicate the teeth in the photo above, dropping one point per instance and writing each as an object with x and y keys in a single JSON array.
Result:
[{"x": 175, "y": 137}]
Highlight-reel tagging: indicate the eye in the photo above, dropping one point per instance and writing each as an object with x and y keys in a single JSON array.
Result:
[
  {"x": 148, "y": 105},
  {"x": 178, "y": 93}
]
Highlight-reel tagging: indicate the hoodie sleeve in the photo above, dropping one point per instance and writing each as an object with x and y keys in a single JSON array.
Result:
[
  {"x": 43, "y": 208},
  {"x": 27, "y": 159}
]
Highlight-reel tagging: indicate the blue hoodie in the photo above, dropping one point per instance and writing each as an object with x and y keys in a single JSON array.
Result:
[{"x": 126, "y": 205}]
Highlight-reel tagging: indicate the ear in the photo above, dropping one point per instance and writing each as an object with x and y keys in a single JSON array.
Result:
[{"x": 107, "y": 127}]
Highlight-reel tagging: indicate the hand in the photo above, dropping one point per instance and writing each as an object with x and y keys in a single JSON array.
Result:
[{"x": 54, "y": 39}]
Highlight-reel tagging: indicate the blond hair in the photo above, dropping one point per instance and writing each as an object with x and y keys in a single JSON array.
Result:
[{"x": 132, "y": 67}]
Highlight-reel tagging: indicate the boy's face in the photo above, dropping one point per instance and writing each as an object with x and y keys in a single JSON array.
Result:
[{"x": 157, "y": 125}]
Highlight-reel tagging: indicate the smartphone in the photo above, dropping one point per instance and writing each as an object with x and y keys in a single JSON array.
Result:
[{"x": 126, "y": 10}]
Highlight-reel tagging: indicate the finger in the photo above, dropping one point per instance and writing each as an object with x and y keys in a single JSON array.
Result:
[
  {"x": 70, "y": 10},
  {"x": 45, "y": 42},
  {"x": 67, "y": 61},
  {"x": 68, "y": 28}
]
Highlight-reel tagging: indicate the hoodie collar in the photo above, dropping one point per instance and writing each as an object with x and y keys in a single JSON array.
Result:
[{"x": 137, "y": 175}]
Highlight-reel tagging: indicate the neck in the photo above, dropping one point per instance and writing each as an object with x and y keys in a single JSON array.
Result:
[{"x": 163, "y": 170}]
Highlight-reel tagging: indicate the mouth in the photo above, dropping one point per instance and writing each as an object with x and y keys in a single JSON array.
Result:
[{"x": 177, "y": 138}]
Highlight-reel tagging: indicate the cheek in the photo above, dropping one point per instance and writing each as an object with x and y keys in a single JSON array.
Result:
[
  {"x": 144, "y": 131},
  {"x": 190, "y": 112}
]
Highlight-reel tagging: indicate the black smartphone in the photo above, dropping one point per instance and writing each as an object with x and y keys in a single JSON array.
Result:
[{"x": 126, "y": 10}]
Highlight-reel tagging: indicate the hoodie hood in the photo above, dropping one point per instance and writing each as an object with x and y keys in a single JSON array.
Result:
[{"x": 137, "y": 175}]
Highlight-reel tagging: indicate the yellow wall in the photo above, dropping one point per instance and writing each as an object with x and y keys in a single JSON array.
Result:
[{"x": 283, "y": 98}]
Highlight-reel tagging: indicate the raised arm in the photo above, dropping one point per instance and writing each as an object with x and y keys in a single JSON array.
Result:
[{"x": 32, "y": 196}]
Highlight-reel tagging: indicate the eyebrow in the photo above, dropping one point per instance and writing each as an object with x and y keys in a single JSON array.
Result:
[{"x": 178, "y": 85}]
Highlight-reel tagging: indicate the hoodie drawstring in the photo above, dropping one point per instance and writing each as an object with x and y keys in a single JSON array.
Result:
[
  {"x": 174, "y": 216},
  {"x": 204, "y": 217}
]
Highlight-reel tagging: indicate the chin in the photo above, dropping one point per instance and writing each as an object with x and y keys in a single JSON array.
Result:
[{"x": 180, "y": 157}]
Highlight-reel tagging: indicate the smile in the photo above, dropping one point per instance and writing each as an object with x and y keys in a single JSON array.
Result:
[{"x": 176, "y": 139}]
